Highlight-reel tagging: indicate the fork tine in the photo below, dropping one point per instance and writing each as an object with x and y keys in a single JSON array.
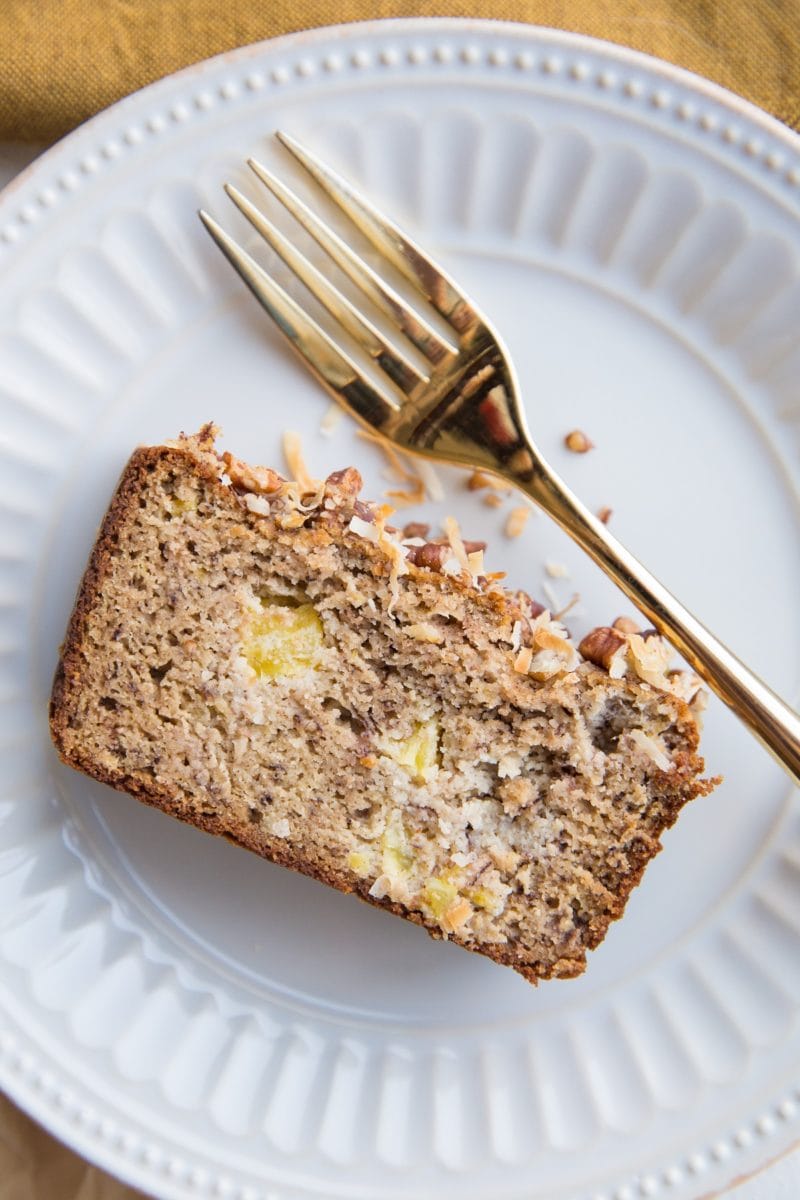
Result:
[
  {"x": 416, "y": 329},
  {"x": 327, "y": 361},
  {"x": 389, "y": 239},
  {"x": 399, "y": 369}
]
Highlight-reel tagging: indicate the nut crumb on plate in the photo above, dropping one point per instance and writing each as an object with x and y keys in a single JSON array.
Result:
[{"x": 577, "y": 441}]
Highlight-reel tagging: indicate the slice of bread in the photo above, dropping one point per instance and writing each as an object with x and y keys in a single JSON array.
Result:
[{"x": 271, "y": 661}]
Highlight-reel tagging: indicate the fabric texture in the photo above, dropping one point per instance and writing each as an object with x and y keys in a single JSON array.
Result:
[
  {"x": 63, "y": 60},
  {"x": 34, "y": 1166}
]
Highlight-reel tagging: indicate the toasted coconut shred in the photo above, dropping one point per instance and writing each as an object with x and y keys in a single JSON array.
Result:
[
  {"x": 430, "y": 480},
  {"x": 293, "y": 453},
  {"x": 404, "y": 499},
  {"x": 522, "y": 662},
  {"x": 421, "y": 475},
  {"x": 475, "y": 560},
  {"x": 568, "y": 607},
  {"x": 400, "y": 471},
  {"x": 453, "y": 535},
  {"x": 517, "y": 520}
]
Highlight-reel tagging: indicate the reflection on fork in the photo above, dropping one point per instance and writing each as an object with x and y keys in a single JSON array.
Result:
[{"x": 453, "y": 396}]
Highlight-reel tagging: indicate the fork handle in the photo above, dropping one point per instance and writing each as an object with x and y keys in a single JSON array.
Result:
[{"x": 775, "y": 725}]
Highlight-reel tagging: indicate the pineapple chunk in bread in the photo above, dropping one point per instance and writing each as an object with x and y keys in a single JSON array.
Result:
[{"x": 270, "y": 661}]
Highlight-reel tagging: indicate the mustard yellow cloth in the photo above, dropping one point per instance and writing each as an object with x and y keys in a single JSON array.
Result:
[{"x": 62, "y": 60}]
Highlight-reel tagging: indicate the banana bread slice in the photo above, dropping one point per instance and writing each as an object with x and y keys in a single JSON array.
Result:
[{"x": 269, "y": 660}]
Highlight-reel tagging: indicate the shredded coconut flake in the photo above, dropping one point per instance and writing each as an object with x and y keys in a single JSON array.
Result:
[
  {"x": 517, "y": 520},
  {"x": 331, "y": 419},
  {"x": 650, "y": 658},
  {"x": 475, "y": 560},
  {"x": 293, "y": 453},
  {"x": 364, "y": 529},
  {"x": 256, "y": 504},
  {"x": 522, "y": 663},
  {"x": 404, "y": 499},
  {"x": 557, "y": 570},
  {"x": 394, "y": 550},
  {"x": 652, "y": 748},
  {"x": 453, "y": 535},
  {"x": 396, "y": 553},
  {"x": 568, "y": 607},
  {"x": 431, "y": 481},
  {"x": 684, "y": 684}
]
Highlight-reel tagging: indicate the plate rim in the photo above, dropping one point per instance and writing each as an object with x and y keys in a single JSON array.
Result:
[{"x": 482, "y": 26}]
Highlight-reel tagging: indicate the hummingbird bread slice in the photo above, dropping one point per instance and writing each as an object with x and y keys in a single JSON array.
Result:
[{"x": 271, "y": 661}]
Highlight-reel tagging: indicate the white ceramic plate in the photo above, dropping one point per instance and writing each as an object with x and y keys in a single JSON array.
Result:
[{"x": 205, "y": 1024}]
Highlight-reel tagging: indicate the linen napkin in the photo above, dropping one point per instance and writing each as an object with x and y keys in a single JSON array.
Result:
[
  {"x": 62, "y": 60},
  {"x": 33, "y": 1166}
]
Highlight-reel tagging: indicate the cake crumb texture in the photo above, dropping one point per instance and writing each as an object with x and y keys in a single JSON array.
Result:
[{"x": 271, "y": 661}]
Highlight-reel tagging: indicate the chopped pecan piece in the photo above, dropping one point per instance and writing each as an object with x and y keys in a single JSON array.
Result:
[
  {"x": 364, "y": 511},
  {"x": 432, "y": 555},
  {"x": 348, "y": 481},
  {"x": 259, "y": 480},
  {"x": 606, "y": 647},
  {"x": 626, "y": 625},
  {"x": 416, "y": 529}
]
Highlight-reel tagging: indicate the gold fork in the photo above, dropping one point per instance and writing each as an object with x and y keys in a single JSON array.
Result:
[{"x": 463, "y": 406}]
